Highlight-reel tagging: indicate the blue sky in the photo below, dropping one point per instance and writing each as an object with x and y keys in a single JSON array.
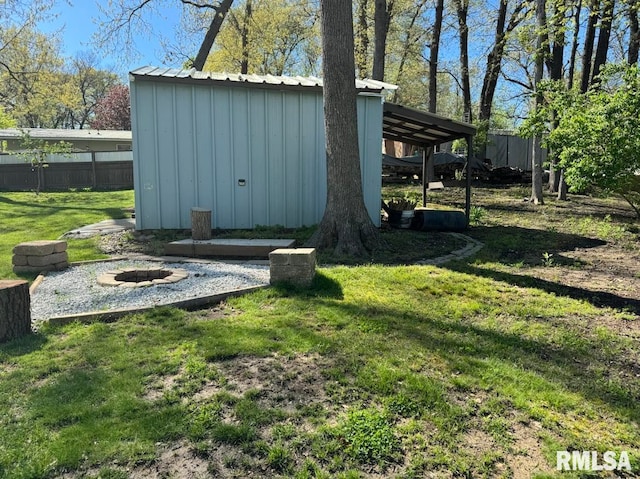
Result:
[{"x": 77, "y": 21}]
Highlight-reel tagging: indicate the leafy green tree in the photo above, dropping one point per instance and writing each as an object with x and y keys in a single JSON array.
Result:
[
  {"x": 32, "y": 89},
  {"x": 598, "y": 134},
  {"x": 6, "y": 121},
  {"x": 35, "y": 151},
  {"x": 268, "y": 37}
]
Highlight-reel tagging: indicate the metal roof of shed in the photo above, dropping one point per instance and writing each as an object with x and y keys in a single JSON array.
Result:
[
  {"x": 416, "y": 127},
  {"x": 259, "y": 81},
  {"x": 60, "y": 134}
]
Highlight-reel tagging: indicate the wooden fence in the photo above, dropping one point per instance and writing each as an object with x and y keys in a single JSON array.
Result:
[{"x": 100, "y": 173}]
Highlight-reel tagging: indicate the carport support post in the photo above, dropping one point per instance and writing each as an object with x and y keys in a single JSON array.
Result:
[
  {"x": 424, "y": 176},
  {"x": 427, "y": 171},
  {"x": 467, "y": 205}
]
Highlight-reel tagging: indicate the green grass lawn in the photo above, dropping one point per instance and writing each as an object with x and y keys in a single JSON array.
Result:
[
  {"x": 376, "y": 371},
  {"x": 28, "y": 217}
]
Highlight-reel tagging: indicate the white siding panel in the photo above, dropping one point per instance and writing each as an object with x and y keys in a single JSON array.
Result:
[
  {"x": 241, "y": 180},
  {"x": 167, "y": 159},
  {"x": 145, "y": 156},
  {"x": 292, "y": 188},
  {"x": 257, "y": 140},
  {"x": 275, "y": 158},
  {"x": 370, "y": 143},
  {"x": 204, "y": 149},
  {"x": 223, "y": 157},
  {"x": 185, "y": 153},
  {"x": 311, "y": 157}
]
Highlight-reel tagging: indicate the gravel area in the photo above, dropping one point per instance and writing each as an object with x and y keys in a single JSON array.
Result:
[{"x": 75, "y": 290}]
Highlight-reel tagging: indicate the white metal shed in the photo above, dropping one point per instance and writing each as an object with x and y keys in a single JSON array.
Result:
[{"x": 251, "y": 148}]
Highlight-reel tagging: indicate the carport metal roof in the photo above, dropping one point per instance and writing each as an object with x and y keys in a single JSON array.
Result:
[
  {"x": 419, "y": 128},
  {"x": 426, "y": 130}
]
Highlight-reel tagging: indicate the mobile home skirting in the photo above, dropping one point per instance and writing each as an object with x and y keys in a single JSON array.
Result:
[{"x": 254, "y": 156}]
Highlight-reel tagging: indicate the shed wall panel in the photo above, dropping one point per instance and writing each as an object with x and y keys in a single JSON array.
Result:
[
  {"x": 185, "y": 155},
  {"x": 257, "y": 139},
  {"x": 223, "y": 117},
  {"x": 252, "y": 156}
]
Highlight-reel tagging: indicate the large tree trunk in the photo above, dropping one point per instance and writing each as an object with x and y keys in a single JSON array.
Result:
[
  {"x": 346, "y": 224},
  {"x": 462, "y": 10},
  {"x": 556, "y": 63},
  {"x": 244, "y": 65},
  {"x": 603, "y": 38},
  {"x": 212, "y": 33},
  {"x": 574, "y": 43},
  {"x": 634, "y": 32},
  {"x": 15, "y": 312},
  {"x": 590, "y": 36},
  {"x": 434, "y": 51},
  {"x": 536, "y": 160},
  {"x": 362, "y": 39},
  {"x": 408, "y": 44},
  {"x": 494, "y": 62},
  {"x": 382, "y": 17}
]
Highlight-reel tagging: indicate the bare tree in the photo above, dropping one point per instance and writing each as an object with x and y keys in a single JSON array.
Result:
[
  {"x": 494, "y": 58},
  {"x": 124, "y": 17},
  {"x": 536, "y": 159},
  {"x": 604, "y": 34},
  {"x": 434, "y": 52},
  {"x": 462, "y": 11},
  {"x": 577, "y": 8},
  {"x": 382, "y": 19},
  {"x": 243, "y": 29},
  {"x": 346, "y": 225},
  {"x": 634, "y": 32},
  {"x": 589, "y": 40},
  {"x": 362, "y": 38}
]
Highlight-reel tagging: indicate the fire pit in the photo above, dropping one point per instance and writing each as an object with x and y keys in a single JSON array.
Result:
[{"x": 141, "y": 277}]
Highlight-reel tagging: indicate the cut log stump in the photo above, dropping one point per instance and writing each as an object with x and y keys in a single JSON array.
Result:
[
  {"x": 15, "y": 309},
  {"x": 200, "y": 224}
]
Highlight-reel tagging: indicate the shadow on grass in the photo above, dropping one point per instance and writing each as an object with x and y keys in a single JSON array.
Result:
[
  {"x": 24, "y": 345},
  {"x": 511, "y": 244},
  {"x": 473, "y": 350},
  {"x": 321, "y": 287},
  {"x": 600, "y": 299},
  {"x": 113, "y": 213}
]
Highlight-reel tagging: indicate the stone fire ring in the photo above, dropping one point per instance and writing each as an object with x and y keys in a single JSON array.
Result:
[{"x": 141, "y": 277}]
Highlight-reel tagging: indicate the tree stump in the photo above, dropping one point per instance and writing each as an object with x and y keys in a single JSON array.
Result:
[
  {"x": 15, "y": 309},
  {"x": 200, "y": 224}
]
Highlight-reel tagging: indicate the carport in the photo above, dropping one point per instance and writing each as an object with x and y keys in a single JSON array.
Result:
[{"x": 426, "y": 131}]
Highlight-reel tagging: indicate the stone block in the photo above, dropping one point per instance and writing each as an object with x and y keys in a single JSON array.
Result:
[
  {"x": 47, "y": 260},
  {"x": 296, "y": 266},
  {"x": 62, "y": 265},
  {"x": 40, "y": 247},
  {"x": 279, "y": 256},
  {"x": 303, "y": 257},
  {"x": 60, "y": 246},
  {"x": 19, "y": 260},
  {"x": 33, "y": 269}
]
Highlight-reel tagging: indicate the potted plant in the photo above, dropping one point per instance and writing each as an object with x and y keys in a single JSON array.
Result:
[{"x": 401, "y": 211}]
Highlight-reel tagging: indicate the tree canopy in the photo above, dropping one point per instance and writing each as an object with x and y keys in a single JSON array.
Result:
[
  {"x": 598, "y": 133},
  {"x": 113, "y": 111}
]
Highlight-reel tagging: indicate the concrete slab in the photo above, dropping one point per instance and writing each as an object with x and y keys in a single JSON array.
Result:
[
  {"x": 227, "y": 247},
  {"x": 102, "y": 228}
]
